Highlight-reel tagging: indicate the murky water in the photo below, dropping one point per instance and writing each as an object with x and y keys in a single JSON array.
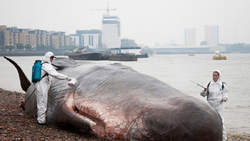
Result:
[{"x": 177, "y": 70}]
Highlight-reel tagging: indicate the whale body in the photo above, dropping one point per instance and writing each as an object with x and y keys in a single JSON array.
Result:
[{"x": 116, "y": 102}]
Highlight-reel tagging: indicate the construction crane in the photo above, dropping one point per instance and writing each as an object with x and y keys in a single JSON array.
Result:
[{"x": 108, "y": 9}]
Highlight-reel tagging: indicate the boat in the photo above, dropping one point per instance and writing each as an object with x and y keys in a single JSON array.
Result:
[
  {"x": 142, "y": 55},
  {"x": 218, "y": 56},
  {"x": 122, "y": 57},
  {"x": 191, "y": 54},
  {"x": 98, "y": 55},
  {"x": 88, "y": 56}
]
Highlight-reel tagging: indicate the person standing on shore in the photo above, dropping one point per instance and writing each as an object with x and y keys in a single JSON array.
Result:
[
  {"x": 217, "y": 95},
  {"x": 43, "y": 85}
]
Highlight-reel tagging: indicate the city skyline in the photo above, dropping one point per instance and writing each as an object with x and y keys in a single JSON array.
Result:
[
  {"x": 147, "y": 22},
  {"x": 18, "y": 38}
]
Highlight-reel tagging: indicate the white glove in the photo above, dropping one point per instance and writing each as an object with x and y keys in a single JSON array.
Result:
[{"x": 72, "y": 82}]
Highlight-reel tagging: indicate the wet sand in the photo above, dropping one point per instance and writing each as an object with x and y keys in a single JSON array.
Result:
[{"x": 15, "y": 125}]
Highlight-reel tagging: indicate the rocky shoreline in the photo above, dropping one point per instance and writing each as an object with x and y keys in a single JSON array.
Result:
[{"x": 15, "y": 125}]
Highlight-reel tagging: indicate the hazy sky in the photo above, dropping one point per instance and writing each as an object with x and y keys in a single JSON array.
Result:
[{"x": 146, "y": 21}]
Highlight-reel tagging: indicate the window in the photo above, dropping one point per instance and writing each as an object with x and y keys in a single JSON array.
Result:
[{"x": 91, "y": 42}]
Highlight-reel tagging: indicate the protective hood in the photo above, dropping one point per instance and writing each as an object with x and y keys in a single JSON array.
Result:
[
  {"x": 46, "y": 57},
  {"x": 219, "y": 79},
  {"x": 218, "y": 72}
]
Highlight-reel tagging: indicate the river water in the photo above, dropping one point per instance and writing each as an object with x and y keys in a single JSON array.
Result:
[{"x": 177, "y": 71}]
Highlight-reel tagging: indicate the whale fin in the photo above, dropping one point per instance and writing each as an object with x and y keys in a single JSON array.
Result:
[{"x": 24, "y": 81}]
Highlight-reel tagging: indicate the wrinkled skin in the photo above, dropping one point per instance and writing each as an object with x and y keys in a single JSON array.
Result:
[{"x": 117, "y": 103}]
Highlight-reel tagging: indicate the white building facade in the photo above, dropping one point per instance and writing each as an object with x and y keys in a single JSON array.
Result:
[
  {"x": 111, "y": 32},
  {"x": 190, "y": 37},
  {"x": 212, "y": 35},
  {"x": 90, "y": 38},
  {"x": 75, "y": 40}
]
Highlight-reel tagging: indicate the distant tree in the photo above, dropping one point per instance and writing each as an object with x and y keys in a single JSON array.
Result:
[
  {"x": 9, "y": 47},
  {"x": 41, "y": 47},
  {"x": 51, "y": 47},
  {"x": 20, "y": 46},
  {"x": 28, "y": 46}
]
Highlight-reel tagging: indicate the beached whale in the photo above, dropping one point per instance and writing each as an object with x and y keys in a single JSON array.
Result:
[{"x": 116, "y": 102}]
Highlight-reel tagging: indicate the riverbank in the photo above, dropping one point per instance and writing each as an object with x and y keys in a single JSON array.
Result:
[{"x": 15, "y": 125}]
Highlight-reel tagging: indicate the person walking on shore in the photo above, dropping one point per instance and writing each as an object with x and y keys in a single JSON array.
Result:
[{"x": 217, "y": 94}]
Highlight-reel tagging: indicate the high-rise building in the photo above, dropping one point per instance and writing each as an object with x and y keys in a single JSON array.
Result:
[
  {"x": 22, "y": 38},
  {"x": 75, "y": 40},
  {"x": 111, "y": 32},
  {"x": 68, "y": 41},
  {"x": 42, "y": 38},
  {"x": 212, "y": 35},
  {"x": 190, "y": 37},
  {"x": 61, "y": 39},
  {"x": 3, "y": 30},
  {"x": 57, "y": 39},
  {"x": 32, "y": 39},
  {"x": 13, "y": 35},
  {"x": 90, "y": 38}
]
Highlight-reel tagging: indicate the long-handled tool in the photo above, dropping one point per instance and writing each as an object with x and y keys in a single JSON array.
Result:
[{"x": 198, "y": 84}]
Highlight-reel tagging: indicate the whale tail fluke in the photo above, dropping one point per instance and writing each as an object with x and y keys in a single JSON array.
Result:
[{"x": 24, "y": 81}]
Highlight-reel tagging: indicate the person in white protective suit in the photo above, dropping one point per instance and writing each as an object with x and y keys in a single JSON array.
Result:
[
  {"x": 217, "y": 95},
  {"x": 48, "y": 71}
]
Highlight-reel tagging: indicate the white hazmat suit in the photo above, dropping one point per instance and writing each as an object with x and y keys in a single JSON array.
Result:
[
  {"x": 44, "y": 84},
  {"x": 215, "y": 97}
]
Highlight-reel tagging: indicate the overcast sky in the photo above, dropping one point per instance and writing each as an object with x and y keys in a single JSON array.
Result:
[{"x": 146, "y": 21}]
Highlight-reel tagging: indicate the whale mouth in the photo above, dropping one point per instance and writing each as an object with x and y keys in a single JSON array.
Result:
[
  {"x": 72, "y": 107},
  {"x": 101, "y": 121},
  {"x": 86, "y": 115}
]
